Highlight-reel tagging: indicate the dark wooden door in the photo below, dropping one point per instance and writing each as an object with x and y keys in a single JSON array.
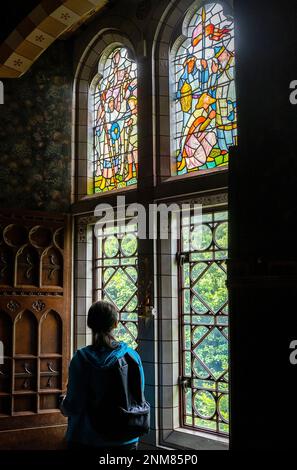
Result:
[{"x": 35, "y": 274}]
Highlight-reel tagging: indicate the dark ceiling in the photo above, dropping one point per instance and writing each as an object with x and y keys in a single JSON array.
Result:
[{"x": 12, "y": 13}]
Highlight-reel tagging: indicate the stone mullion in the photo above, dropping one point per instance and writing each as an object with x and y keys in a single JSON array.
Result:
[{"x": 146, "y": 265}]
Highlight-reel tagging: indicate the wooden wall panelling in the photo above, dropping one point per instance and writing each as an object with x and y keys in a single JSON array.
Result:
[{"x": 35, "y": 263}]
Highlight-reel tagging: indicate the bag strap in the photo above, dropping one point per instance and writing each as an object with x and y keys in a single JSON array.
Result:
[{"x": 133, "y": 382}]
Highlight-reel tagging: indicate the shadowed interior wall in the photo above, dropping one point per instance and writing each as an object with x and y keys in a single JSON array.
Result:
[{"x": 262, "y": 205}]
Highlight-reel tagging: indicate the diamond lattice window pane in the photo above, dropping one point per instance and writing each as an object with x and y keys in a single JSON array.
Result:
[
  {"x": 205, "y": 323},
  {"x": 213, "y": 352},
  {"x": 211, "y": 287},
  {"x": 120, "y": 289}
]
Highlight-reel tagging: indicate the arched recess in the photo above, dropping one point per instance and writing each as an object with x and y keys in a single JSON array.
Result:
[
  {"x": 6, "y": 265},
  {"x": 169, "y": 34},
  {"x": 27, "y": 267},
  {"x": 87, "y": 73},
  {"x": 6, "y": 338},
  {"x": 5, "y": 334},
  {"x": 52, "y": 267},
  {"x": 26, "y": 334},
  {"x": 51, "y": 333}
]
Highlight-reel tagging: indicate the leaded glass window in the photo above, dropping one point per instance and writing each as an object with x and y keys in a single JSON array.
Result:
[
  {"x": 115, "y": 142},
  {"x": 204, "y": 323},
  {"x": 116, "y": 276},
  {"x": 204, "y": 111}
]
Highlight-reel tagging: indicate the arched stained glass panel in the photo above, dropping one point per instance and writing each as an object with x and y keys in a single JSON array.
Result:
[
  {"x": 115, "y": 124},
  {"x": 205, "y": 101}
]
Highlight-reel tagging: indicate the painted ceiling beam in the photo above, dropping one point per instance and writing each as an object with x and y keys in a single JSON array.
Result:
[{"x": 35, "y": 33}]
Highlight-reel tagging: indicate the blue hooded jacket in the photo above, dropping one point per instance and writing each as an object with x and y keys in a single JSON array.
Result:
[{"x": 74, "y": 404}]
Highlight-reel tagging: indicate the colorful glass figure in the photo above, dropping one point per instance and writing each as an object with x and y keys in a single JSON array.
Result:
[
  {"x": 205, "y": 100},
  {"x": 115, "y": 124}
]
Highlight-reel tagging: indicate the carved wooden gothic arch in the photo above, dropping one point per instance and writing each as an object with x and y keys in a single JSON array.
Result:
[{"x": 34, "y": 321}]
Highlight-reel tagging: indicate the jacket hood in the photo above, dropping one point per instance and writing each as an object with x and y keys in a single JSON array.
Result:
[{"x": 103, "y": 358}]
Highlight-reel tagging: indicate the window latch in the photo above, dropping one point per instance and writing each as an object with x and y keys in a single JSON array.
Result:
[
  {"x": 182, "y": 258},
  {"x": 184, "y": 382}
]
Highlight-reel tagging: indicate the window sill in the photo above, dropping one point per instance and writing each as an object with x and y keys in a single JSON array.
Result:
[
  {"x": 88, "y": 203},
  {"x": 87, "y": 197},
  {"x": 196, "y": 174},
  {"x": 185, "y": 439}
]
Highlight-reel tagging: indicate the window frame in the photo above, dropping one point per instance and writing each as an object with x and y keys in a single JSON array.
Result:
[
  {"x": 181, "y": 304},
  {"x": 166, "y": 44},
  {"x": 155, "y": 184},
  {"x": 96, "y": 272},
  {"x": 210, "y": 188},
  {"x": 88, "y": 72},
  {"x": 99, "y": 76},
  {"x": 172, "y": 433}
]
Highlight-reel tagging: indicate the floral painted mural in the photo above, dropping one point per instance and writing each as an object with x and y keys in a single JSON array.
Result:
[{"x": 35, "y": 135}]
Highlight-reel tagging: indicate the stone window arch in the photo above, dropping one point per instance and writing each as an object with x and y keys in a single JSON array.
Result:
[{"x": 88, "y": 72}]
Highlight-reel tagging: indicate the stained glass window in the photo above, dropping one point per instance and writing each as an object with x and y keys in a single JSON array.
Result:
[
  {"x": 115, "y": 124},
  {"x": 205, "y": 101},
  {"x": 204, "y": 323},
  {"x": 116, "y": 276}
]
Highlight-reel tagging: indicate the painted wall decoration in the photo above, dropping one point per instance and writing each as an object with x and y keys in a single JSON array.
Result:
[
  {"x": 115, "y": 124},
  {"x": 35, "y": 135},
  {"x": 205, "y": 101}
]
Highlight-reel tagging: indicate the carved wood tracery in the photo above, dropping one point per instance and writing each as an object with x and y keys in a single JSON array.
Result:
[{"x": 34, "y": 316}]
